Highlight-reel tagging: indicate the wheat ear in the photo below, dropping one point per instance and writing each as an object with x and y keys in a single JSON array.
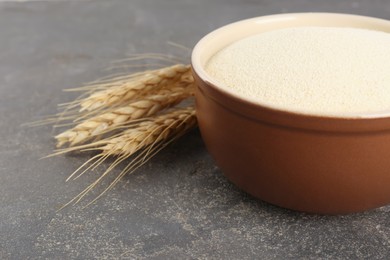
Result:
[
  {"x": 113, "y": 92},
  {"x": 150, "y": 132},
  {"x": 109, "y": 121},
  {"x": 145, "y": 140},
  {"x": 119, "y": 91}
]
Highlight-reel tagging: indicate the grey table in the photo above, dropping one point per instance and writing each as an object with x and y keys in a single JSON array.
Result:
[{"x": 179, "y": 205}]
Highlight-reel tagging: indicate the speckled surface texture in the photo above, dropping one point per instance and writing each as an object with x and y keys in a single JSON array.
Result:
[{"x": 179, "y": 205}]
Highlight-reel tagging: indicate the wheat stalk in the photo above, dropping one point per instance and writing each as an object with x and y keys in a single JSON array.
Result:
[
  {"x": 119, "y": 91},
  {"x": 149, "y": 132},
  {"x": 147, "y": 138},
  {"x": 108, "y": 93},
  {"x": 126, "y": 116},
  {"x": 109, "y": 121}
]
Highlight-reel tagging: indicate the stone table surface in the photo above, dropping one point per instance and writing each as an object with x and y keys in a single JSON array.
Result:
[{"x": 179, "y": 205}]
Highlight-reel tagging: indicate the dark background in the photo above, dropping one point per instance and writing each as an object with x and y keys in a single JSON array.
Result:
[{"x": 179, "y": 205}]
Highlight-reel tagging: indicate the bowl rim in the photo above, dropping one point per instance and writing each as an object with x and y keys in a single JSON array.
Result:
[{"x": 249, "y": 108}]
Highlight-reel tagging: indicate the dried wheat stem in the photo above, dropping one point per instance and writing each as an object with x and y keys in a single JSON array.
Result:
[
  {"x": 109, "y": 121},
  {"x": 119, "y": 92}
]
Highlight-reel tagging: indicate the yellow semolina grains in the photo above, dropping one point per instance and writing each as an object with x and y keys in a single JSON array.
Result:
[{"x": 324, "y": 71}]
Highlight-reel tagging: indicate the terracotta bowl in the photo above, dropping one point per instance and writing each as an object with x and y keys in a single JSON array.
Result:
[{"x": 326, "y": 165}]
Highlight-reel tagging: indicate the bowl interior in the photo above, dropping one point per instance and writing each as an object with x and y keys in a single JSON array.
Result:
[{"x": 220, "y": 38}]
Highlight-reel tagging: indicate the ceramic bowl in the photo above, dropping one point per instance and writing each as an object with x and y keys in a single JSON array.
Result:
[{"x": 326, "y": 165}]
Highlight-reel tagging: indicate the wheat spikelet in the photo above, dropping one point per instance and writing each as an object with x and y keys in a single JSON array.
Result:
[
  {"x": 108, "y": 93},
  {"x": 146, "y": 139},
  {"x": 109, "y": 121},
  {"x": 149, "y": 132},
  {"x": 119, "y": 91}
]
